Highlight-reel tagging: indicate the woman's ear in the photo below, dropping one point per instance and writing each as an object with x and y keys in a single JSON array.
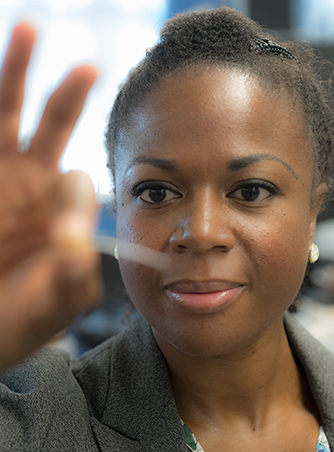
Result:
[{"x": 317, "y": 200}]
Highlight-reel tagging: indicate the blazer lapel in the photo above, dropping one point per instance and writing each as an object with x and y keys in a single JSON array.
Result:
[
  {"x": 140, "y": 405},
  {"x": 318, "y": 364}
]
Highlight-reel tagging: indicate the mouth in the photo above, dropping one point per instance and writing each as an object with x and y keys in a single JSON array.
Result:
[{"x": 202, "y": 297}]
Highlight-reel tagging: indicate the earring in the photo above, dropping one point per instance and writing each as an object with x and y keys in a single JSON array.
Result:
[
  {"x": 313, "y": 253},
  {"x": 116, "y": 252}
]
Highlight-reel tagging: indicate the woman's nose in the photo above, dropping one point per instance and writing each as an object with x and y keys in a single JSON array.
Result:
[{"x": 203, "y": 224}]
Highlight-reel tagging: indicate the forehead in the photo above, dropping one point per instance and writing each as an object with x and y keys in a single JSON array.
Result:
[{"x": 214, "y": 109}]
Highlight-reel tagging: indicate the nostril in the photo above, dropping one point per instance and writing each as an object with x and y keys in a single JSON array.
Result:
[
  {"x": 178, "y": 244},
  {"x": 182, "y": 247}
]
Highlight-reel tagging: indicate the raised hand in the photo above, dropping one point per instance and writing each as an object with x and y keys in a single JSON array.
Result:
[{"x": 49, "y": 270}]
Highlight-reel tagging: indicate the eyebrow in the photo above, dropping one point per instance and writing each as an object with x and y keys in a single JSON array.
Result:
[
  {"x": 164, "y": 164},
  {"x": 243, "y": 162},
  {"x": 171, "y": 165}
]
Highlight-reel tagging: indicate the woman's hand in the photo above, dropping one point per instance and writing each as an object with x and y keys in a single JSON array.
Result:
[{"x": 49, "y": 271}]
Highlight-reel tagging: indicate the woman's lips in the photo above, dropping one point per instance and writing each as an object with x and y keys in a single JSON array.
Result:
[{"x": 203, "y": 296}]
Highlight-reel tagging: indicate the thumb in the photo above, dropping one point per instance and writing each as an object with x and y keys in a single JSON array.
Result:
[{"x": 76, "y": 213}]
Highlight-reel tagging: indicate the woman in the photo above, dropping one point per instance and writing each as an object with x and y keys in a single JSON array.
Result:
[{"x": 220, "y": 146}]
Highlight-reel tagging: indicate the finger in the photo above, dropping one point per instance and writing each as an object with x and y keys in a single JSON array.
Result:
[
  {"x": 60, "y": 116},
  {"x": 74, "y": 191},
  {"x": 12, "y": 81}
]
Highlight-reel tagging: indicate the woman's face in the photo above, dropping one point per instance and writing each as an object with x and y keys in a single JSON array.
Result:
[{"x": 216, "y": 174}]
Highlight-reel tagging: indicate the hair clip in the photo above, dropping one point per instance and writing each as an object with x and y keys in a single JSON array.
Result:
[
  {"x": 148, "y": 51},
  {"x": 264, "y": 45}
]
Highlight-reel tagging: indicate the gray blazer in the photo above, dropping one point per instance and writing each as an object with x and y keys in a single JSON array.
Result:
[{"x": 118, "y": 397}]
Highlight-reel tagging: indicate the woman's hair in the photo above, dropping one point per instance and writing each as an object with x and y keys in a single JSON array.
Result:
[{"x": 226, "y": 38}]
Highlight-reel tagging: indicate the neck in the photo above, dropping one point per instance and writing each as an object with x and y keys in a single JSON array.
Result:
[{"x": 247, "y": 385}]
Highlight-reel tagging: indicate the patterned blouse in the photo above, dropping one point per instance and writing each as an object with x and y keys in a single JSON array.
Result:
[{"x": 194, "y": 445}]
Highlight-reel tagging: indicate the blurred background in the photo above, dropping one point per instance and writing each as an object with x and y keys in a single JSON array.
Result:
[{"x": 113, "y": 35}]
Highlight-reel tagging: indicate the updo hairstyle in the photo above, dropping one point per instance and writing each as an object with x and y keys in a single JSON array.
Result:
[{"x": 225, "y": 37}]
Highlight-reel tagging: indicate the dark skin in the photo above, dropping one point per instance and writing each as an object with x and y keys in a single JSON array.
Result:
[{"x": 199, "y": 137}]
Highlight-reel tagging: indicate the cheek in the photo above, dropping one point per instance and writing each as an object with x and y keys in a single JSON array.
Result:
[
  {"x": 136, "y": 228},
  {"x": 141, "y": 282},
  {"x": 277, "y": 247},
  {"x": 141, "y": 285}
]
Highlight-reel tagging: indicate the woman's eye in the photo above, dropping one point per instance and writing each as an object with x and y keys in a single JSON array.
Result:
[
  {"x": 253, "y": 192},
  {"x": 154, "y": 194}
]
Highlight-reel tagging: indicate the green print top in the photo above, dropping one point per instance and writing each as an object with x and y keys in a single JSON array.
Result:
[{"x": 194, "y": 445}]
